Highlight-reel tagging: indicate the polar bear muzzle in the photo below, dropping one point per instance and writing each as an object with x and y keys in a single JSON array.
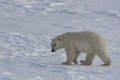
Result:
[{"x": 52, "y": 50}]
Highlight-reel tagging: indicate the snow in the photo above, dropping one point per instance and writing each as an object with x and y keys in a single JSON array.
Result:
[{"x": 27, "y": 27}]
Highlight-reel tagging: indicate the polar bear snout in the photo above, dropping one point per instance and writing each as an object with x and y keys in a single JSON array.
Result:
[{"x": 52, "y": 50}]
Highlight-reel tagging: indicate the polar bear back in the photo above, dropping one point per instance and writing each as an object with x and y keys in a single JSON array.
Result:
[{"x": 84, "y": 41}]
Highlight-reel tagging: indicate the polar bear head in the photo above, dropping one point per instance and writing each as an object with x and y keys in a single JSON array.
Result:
[{"x": 56, "y": 43}]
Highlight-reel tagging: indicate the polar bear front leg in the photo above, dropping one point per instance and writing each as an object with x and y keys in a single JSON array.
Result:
[
  {"x": 70, "y": 57},
  {"x": 75, "y": 60},
  {"x": 76, "y": 56}
]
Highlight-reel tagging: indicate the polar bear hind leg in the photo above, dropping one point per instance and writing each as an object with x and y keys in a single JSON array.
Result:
[
  {"x": 103, "y": 55},
  {"x": 89, "y": 59}
]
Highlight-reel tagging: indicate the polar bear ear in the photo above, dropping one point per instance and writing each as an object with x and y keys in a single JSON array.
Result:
[{"x": 60, "y": 38}]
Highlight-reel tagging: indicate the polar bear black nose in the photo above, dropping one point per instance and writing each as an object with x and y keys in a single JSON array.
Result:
[{"x": 53, "y": 50}]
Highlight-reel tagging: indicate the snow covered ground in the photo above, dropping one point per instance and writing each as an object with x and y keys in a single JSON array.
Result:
[{"x": 26, "y": 29}]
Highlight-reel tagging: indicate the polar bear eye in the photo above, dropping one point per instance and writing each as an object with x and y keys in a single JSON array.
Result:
[
  {"x": 54, "y": 45},
  {"x": 59, "y": 39}
]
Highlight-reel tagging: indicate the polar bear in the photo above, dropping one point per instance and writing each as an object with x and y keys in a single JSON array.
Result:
[{"x": 87, "y": 42}]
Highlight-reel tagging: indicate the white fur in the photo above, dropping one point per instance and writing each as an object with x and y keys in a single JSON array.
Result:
[{"x": 88, "y": 42}]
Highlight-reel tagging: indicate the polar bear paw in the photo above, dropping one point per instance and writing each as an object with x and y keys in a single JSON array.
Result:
[
  {"x": 66, "y": 63},
  {"x": 76, "y": 62},
  {"x": 85, "y": 62},
  {"x": 107, "y": 64}
]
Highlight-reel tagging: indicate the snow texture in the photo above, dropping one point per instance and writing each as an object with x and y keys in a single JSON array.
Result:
[{"x": 26, "y": 29}]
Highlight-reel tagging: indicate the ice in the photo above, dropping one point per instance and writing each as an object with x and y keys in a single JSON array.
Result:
[
  {"x": 55, "y": 4},
  {"x": 27, "y": 27}
]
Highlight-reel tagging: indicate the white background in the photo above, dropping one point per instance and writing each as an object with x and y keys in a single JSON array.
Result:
[{"x": 26, "y": 29}]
